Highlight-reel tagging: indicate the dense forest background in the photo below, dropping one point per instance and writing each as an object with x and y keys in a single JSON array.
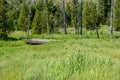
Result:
[{"x": 48, "y": 16}]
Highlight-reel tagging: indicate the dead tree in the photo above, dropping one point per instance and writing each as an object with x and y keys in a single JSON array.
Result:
[
  {"x": 64, "y": 16},
  {"x": 111, "y": 19},
  {"x": 81, "y": 9},
  {"x": 29, "y": 19},
  {"x": 76, "y": 15},
  {"x": 47, "y": 21}
]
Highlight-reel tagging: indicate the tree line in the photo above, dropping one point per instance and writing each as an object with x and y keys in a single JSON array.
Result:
[{"x": 48, "y": 16}]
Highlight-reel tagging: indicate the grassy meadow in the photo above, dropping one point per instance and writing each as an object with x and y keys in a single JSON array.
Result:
[{"x": 72, "y": 57}]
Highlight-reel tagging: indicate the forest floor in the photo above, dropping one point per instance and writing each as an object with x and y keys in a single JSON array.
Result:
[{"x": 72, "y": 58}]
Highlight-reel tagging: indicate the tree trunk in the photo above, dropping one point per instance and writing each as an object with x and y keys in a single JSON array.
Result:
[
  {"x": 81, "y": 9},
  {"x": 97, "y": 33},
  {"x": 29, "y": 19},
  {"x": 76, "y": 16},
  {"x": 42, "y": 30},
  {"x": 64, "y": 19},
  {"x": 47, "y": 22},
  {"x": 111, "y": 19}
]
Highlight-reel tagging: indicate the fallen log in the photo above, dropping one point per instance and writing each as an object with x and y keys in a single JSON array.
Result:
[{"x": 37, "y": 41}]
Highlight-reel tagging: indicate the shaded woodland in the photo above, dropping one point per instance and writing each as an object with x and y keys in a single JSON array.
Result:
[{"x": 48, "y": 16}]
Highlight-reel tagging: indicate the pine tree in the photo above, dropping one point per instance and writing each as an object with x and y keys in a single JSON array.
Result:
[
  {"x": 69, "y": 14},
  {"x": 52, "y": 9},
  {"x": 116, "y": 18},
  {"x": 91, "y": 17},
  {"x": 107, "y": 4},
  {"x": 39, "y": 21},
  {"x": 13, "y": 13},
  {"x": 23, "y": 17},
  {"x": 101, "y": 11},
  {"x": 4, "y": 28},
  {"x": 36, "y": 24},
  {"x": 88, "y": 12}
]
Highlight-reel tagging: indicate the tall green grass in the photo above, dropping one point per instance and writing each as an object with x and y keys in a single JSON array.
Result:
[
  {"x": 71, "y": 58},
  {"x": 76, "y": 59}
]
